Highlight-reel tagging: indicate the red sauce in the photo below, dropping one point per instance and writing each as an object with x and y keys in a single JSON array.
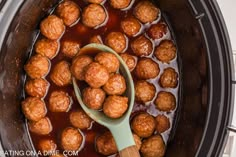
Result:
[{"x": 82, "y": 34}]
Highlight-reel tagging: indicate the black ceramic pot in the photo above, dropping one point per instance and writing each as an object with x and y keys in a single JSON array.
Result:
[{"x": 206, "y": 73}]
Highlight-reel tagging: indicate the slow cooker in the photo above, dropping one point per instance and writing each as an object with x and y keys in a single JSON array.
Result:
[{"x": 206, "y": 69}]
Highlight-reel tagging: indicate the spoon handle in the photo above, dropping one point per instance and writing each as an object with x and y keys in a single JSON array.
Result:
[{"x": 131, "y": 151}]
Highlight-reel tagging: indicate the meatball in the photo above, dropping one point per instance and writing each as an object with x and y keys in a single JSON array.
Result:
[
  {"x": 105, "y": 144},
  {"x": 70, "y": 48},
  {"x": 116, "y": 85},
  {"x": 144, "y": 91},
  {"x": 131, "y": 26},
  {"x": 95, "y": 1},
  {"x": 34, "y": 108},
  {"x": 47, "y": 48},
  {"x": 137, "y": 141},
  {"x": 165, "y": 101},
  {"x": 146, "y": 12},
  {"x": 154, "y": 146},
  {"x": 94, "y": 97},
  {"x": 163, "y": 123},
  {"x": 52, "y": 27},
  {"x": 142, "y": 46},
  {"x": 169, "y": 78},
  {"x": 157, "y": 31},
  {"x": 47, "y": 146},
  {"x": 71, "y": 139},
  {"x": 96, "y": 75},
  {"x": 143, "y": 125},
  {"x": 93, "y": 15},
  {"x": 37, "y": 66},
  {"x": 117, "y": 41},
  {"x": 59, "y": 101},
  {"x": 60, "y": 74},
  {"x": 166, "y": 51},
  {"x": 121, "y": 4},
  {"x": 108, "y": 60},
  {"x": 146, "y": 68},
  {"x": 80, "y": 119},
  {"x": 57, "y": 155},
  {"x": 130, "y": 60},
  {"x": 69, "y": 12},
  {"x": 115, "y": 106},
  {"x": 79, "y": 65},
  {"x": 36, "y": 87},
  {"x": 41, "y": 127},
  {"x": 96, "y": 39}
]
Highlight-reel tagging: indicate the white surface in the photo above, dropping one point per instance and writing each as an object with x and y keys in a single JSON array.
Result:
[{"x": 229, "y": 12}]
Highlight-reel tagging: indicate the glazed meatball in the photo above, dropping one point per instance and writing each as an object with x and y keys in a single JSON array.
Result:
[
  {"x": 70, "y": 48},
  {"x": 146, "y": 68},
  {"x": 121, "y": 4},
  {"x": 36, "y": 87},
  {"x": 41, "y": 127},
  {"x": 154, "y": 146},
  {"x": 143, "y": 125},
  {"x": 157, "y": 31},
  {"x": 130, "y": 60},
  {"x": 80, "y": 119},
  {"x": 60, "y": 74},
  {"x": 47, "y": 146},
  {"x": 47, "y": 48},
  {"x": 117, "y": 41},
  {"x": 166, "y": 51},
  {"x": 93, "y": 15},
  {"x": 33, "y": 108},
  {"x": 95, "y": 1},
  {"x": 165, "y": 101},
  {"x": 96, "y": 75},
  {"x": 94, "y": 97},
  {"x": 130, "y": 26},
  {"x": 37, "y": 66},
  {"x": 105, "y": 144},
  {"x": 144, "y": 91},
  {"x": 163, "y": 123},
  {"x": 137, "y": 141},
  {"x": 57, "y": 155},
  {"x": 146, "y": 12},
  {"x": 96, "y": 39},
  {"x": 115, "y": 106},
  {"x": 116, "y": 85},
  {"x": 69, "y": 12},
  {"x": 79, "y": 65},
  {"x": 52, "y": 27},
  {"x": 142, "y": 46},
  {"x": 59, "y": 101},
  {"x": 71, "y": 139},
  {"x": 169, "y": 78},
  {"x": 108, "y": 60}
]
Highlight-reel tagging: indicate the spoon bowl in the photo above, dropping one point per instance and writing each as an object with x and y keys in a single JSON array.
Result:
[{"x": 120, "y": 127}]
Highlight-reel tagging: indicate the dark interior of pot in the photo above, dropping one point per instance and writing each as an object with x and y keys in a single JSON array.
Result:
[{"x": 205, "y": 104}]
